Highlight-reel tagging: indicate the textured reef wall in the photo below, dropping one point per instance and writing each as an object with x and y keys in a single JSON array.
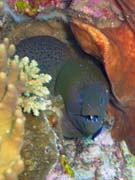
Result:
[{"x": 39, "y": 150}]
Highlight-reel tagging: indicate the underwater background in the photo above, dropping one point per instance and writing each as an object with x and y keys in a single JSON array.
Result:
[{"x": 67, "y": 90}]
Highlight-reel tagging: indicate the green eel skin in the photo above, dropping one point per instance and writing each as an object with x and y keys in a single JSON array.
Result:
[{"x": 80, "y": 82}]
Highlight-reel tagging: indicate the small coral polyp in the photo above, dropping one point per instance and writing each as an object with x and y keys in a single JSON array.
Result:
[
  {"x": 11, "y": 117},
  {"x": 31, "y": 7}
]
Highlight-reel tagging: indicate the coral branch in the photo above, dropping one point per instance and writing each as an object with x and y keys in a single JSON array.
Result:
[{"x": 11, "y": 117}]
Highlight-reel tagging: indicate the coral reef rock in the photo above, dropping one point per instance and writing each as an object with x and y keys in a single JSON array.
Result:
[
  {"x": 101, "y": 159},
  {"x": 39, "y": 150}
]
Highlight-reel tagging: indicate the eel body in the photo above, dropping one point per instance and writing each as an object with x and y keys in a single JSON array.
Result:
[{"x": 79, "y": 81}]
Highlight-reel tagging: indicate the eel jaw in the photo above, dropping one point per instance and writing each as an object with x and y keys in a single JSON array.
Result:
[{"x": 86, "y": 124}]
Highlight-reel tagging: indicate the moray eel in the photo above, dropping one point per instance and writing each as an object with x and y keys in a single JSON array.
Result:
[
  {"x": 79, "y": 81},
  {"x": 85, "y": 94}
]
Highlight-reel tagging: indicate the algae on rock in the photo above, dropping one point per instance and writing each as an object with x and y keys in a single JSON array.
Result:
[{"x": 40, "y": 148}]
